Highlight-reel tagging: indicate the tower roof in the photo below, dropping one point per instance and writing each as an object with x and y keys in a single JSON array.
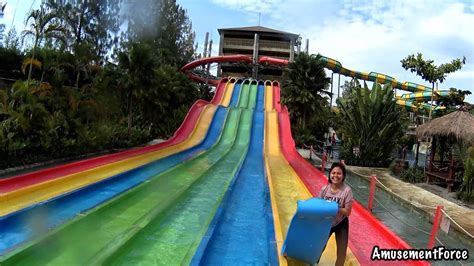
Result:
[{"x": 259, "y": 29}]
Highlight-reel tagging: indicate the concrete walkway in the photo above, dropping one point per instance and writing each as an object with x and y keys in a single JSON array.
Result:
[{"x": 417, "y": 197}]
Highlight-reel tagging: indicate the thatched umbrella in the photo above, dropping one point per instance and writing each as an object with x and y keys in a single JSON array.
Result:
[{"x": 458, "y": 124}]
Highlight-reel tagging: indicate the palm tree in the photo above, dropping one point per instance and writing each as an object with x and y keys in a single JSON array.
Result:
[
  {"x": 41, "y": 25},
  {"x": 305, "y": 87}
]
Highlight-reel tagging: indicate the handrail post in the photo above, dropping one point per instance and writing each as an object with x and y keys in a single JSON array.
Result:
[
  {"x": 323, "y": 162},
  {"x": 373, "y": 183},
  {"x": 435, "y": 229}
]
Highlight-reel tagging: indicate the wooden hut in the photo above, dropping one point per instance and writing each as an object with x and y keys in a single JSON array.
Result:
[{"x": 457, "y": 127}]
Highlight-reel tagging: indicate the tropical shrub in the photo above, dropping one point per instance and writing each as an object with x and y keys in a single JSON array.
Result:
[
  {"x": 413, "y": 175},
  {"x": 371, "y": 125},
  {"x": 466, "y": 192}
]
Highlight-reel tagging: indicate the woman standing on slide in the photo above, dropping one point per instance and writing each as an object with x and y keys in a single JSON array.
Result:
[{"x": 341, "y": 193}]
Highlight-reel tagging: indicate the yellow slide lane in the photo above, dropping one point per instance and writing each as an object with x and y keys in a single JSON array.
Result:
[
  {"x": 24, "y": 197},
  {"x": 229, "y": 89},
  {"x": 286, "y": 188},
  {"x": 268, "y": 96}
]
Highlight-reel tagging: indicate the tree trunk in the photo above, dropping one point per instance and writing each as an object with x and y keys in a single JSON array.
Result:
[
  {"x": 77, "y": 79},
  {"x": 304, "y": 119},
  {"x": 130, "y": 114},
  {"x": 31, "y": 63}
]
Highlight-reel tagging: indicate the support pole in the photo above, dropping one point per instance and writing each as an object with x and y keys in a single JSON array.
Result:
[
  {"x": 332, "y": 81},
  {"x": 255, "y": 55},
  {"x": 338, "y": 85},
  {"x": 323, "y": 162},
  {"x": 208, "y": 64},
  {"x": 206, "y": 39},
  {"x": 431, "y": 103},
  {"x": 373, "y": 184},
  {"x": 292, "y": 50}
]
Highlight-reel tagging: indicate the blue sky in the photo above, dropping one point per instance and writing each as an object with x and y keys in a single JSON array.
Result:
[{"x": 364, "y": 35}]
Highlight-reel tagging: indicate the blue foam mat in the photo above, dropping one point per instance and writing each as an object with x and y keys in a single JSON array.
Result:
[{"x": 309, "y": 229}]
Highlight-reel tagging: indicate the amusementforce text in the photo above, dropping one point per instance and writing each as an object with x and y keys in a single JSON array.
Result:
[{"x": 437, "y": 253}]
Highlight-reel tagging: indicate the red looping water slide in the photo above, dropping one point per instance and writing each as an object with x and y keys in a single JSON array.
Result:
[{"x": 264, "y": 60}]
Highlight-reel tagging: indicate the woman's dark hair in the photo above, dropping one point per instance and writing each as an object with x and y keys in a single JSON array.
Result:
[{"x": 340, "y": 165}]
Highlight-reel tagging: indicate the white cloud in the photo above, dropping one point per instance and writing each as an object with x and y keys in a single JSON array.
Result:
[{"x": 374, "y": 35}]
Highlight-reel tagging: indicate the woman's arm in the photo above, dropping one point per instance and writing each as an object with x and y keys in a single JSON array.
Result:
[{"x": 345, "y": 211}]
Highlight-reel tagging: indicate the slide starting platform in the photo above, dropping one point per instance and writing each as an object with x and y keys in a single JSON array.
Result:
[{"x": 309, "y": 229}]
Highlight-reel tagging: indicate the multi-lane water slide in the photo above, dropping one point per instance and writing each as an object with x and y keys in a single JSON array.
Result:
[{"x": 221, "y": 191}]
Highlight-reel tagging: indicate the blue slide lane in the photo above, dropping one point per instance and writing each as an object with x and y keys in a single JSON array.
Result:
[
  {"x": 242, "y": 230},
  {"x": 17, "y": 228},
  {"x": 234, "y": 101}
]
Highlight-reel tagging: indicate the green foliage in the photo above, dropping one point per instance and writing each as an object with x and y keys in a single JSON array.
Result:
[
  {"x": 12, "y": 41},
  {"x": 74, "y": 102},
  {"x": 454, "y": 100},
  {"x": 91, "y": 23},
  {"x": 371, "y": 123},
  {"x": 466, "y": 191},
  {"x": 428, "y": 71},
  {"x": 413, "y": 175},
  {"x": 303, "y": 136},
  {"x": 305, "y": 92},
  {"x": 165, "y": 26},
  {"x": 42, "y": 25}
]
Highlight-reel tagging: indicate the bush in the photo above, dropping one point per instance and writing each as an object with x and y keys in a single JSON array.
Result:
[
  {"x": 466, "y": 193},
  {"x": 466, "y": 197},
  {"x": 392, "y": 167},
  {"x": 413, "y": 175}
]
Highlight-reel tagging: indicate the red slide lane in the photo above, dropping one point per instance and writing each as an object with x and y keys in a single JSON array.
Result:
[
  {"x": 182, "y": 133},
  {"x": 276, "y": 96},
  {"x": 219, "y": 91},
  {"x": 365, "y": 230}
]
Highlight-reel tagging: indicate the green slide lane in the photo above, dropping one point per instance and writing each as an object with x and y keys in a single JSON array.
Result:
[
  {"x": 173, "y": 237},
  {"x": 244, "y": 95},
  {"x": 253, "y": 95},
  {"x": 112, "y": 224}
]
